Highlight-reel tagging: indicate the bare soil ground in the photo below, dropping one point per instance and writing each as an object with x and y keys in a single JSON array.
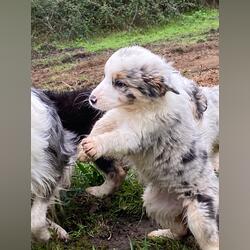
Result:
[
  {"x": 121, "y": 231},
  {"x": 76, "y": 68}
]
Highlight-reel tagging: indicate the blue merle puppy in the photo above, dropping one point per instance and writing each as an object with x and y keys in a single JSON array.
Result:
[
  {"x": 168, "y": 127},
  {"x": 53, "y": 152}
]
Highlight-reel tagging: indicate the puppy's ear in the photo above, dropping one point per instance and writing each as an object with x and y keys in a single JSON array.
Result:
[
  {"x": 169, "y": 88},
  {"x": 157, "y": 86}
]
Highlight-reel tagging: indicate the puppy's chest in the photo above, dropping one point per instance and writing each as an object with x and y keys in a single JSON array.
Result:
[{"x": 158, "y": 153}]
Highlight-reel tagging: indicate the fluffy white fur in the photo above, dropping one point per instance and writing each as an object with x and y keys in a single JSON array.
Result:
[
  {"x": 52, "y": 156},
  {"x": 41, "y": 173},
  {"x": 168, "y": 127}
]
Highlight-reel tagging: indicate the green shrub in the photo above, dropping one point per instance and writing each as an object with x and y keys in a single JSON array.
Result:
[{"x": 69, "y": 19}]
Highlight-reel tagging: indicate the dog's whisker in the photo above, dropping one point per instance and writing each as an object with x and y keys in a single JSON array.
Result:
[
  {"x": 98, "y": 113},
  {"x": 83, "y": 94}
]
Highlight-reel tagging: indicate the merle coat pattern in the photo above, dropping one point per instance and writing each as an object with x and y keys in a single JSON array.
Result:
[{"x": 167, "y": 126}]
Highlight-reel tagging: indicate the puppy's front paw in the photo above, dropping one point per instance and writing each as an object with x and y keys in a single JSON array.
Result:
[
  {"x": 62, "y": 234},
  {"x": 95, "y": 191},
  {"x": 81, "y": 155},
  {"x": 91, "y": 148}
]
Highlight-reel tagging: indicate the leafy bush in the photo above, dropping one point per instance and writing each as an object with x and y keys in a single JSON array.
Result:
[{"x": 68, "y": 19}]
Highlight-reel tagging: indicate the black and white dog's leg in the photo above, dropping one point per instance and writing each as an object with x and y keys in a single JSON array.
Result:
[
  {"x": 202, "y": 219},
  {"x": 114, "y": 174},
  {"x": 40, "y": 223},
  {"x": 60, "y": 232},
  {"x": 39, "y": 227}
]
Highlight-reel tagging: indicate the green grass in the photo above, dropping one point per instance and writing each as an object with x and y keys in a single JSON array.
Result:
[
  {"x": 86, "y": 217},
  {"x": 163, "y": 244},
  {"x": 187, "y": 28},
  {"x": 126, "y": 201},
  {"x": 54, "y": 60}
]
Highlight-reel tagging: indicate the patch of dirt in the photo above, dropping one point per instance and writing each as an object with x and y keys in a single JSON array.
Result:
[
  {"x": 199, "y": 62},
  {"x": 121, "y": 232}
]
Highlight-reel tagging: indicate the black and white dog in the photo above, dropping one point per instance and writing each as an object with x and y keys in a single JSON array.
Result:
[
  {"x": 52, "y": 158},
  {"x": 58, "y": 122}
]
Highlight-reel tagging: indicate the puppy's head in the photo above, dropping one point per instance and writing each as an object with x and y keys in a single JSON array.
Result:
[{"x": 133, "y": 77}]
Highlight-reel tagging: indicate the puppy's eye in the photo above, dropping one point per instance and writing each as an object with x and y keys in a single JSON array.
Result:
[{"x": 119, "y": 84}]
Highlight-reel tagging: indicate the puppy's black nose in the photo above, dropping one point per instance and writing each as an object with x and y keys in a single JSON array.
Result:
[{"x": 92, "y": 99}]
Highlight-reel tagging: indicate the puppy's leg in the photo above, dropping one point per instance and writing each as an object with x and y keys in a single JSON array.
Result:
[
  {"x": 166, "y": 233},
  {"x": 114, "y": 177},
  {"x": 108, "y": 139},
  {"x": 40, "y": 224},
  {"x": 166, "y": 210},
  {"x": 61, "y": 233},
  {"x": 39, "y": 227},
  {"x": 103, "y": 140},
  {"x": 202, "y": 219},
  {"x": 118, "y": 142}
]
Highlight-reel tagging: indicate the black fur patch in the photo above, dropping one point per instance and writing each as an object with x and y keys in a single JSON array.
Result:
[
  {"x": 188, "y": 157},
  {"x": 188, "y": 193},
  {"x": 148, "y": 90},
  {"x": 160, "y": 156},
  {"x": 159, "y": 142},
  {"x": 73, "y": 108},
  {"x": 180, "y": 172},
  {"x": 217, "y": 221},
  {"x": 203, "y": 198},
  {"x": 106, "y": 165}
]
